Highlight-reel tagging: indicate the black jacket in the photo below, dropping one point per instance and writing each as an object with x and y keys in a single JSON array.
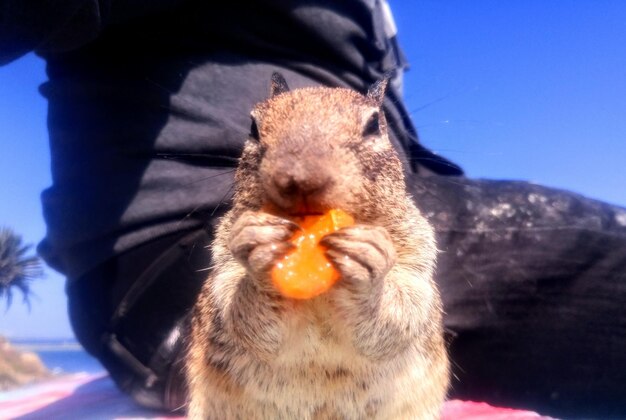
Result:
[{"x": 149, "y": 103}]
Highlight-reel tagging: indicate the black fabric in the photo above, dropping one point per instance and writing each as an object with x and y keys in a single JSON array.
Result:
[
  {"x": 52, "y": 26},
  {"x": 533, "y": 282},
  {"x": 147, "y": 119},
  {"x": 131, "y": 314}
]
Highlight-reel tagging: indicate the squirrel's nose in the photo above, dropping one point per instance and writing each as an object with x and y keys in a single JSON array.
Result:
[
  {"x": 294, "y": 182},
  {"x": 288, "y": 184}
]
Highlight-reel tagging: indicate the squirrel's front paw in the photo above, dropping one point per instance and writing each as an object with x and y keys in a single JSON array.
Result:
[
  {"x": 258, "y": 240},
  {"x": 363, "y": 255}
]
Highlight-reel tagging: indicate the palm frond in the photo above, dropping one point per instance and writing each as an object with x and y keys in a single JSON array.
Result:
[{"x": 17, "y": 268}]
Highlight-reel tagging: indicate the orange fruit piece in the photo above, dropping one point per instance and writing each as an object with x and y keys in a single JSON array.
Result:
[{"x": 305, "y": 272}]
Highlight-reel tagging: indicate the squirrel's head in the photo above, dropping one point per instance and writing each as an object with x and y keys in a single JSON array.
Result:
[{"x": 313, "y": 149}]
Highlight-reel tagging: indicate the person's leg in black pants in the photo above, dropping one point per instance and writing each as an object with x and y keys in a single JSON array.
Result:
[
  {"x": 131, "y": 314},
  {"x": 534, "y": 288}
]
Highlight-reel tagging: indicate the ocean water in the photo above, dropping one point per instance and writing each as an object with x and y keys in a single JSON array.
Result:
[
  {"x": 61, "y": 356},
  {"x": 70, "y": 361}
]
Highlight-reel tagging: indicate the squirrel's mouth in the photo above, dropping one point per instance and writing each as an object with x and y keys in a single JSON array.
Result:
[
  {"x": 301, "y": 209},
  {"x": 305, "y": 214},
  {"x": 306, "y": 207}
]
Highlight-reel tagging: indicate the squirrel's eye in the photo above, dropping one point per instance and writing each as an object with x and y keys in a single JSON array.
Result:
[
  {"x": 254, "y": 131},
  {"x": 372, "y": 127}
]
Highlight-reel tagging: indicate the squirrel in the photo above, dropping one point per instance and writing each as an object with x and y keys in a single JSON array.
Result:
[{"x": 370, "y": 347}]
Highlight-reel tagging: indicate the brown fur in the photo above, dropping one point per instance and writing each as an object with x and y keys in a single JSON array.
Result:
[{"x": 372, "y": 346}]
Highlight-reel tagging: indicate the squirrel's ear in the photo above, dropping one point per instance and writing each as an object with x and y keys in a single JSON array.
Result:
[
  {"x": 377, "y": 91},
  {"x": 279, "y": 84}
]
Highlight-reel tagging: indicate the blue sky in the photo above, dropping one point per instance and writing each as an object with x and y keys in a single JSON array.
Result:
[{"x": 532, "y": 90}]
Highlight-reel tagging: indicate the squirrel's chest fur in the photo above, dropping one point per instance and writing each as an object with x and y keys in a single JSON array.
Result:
[{"x": 317, "y": 374}]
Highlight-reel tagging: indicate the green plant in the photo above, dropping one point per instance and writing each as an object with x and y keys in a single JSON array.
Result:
[{"x": 17, "y": 269}]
